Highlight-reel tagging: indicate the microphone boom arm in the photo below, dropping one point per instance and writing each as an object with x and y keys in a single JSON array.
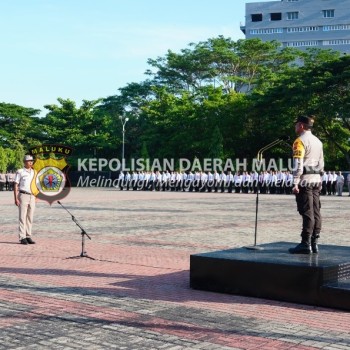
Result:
[
  {"x": 83, "y": 253},
  {"x": 259, "y": 158},
  {"x": 74, "y": 220},
  {"x": 272, "y": 144}
]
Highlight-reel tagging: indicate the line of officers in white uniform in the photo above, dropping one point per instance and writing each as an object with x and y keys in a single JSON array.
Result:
[
  {"x": 6, "y": 181},
  {"x": 268, "y": 181},
  {"x": 273, "y": 182},
  {"x": 333, "y": 183},
  {"x": 238, "y": 182}
]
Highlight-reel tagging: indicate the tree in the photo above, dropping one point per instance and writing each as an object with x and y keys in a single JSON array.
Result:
[
  {"x": 216, "y": 147},
  {"x": 18, "y": 124},
  {"x": 14, "y": 157},
  {"x": 3, "y": 160},
  {"x": 80, "y": 128},
  {"x": 129, "y": 103},
  {"x": 220, "y": 62},
  {"x": 319, "y": 87},
  {"x": 216, "y": 98}
]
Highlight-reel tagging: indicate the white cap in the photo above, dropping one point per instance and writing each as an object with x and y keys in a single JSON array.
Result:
[{"x": 28, "y": 157}]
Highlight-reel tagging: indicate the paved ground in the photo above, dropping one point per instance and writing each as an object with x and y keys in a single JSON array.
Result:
[{"x": 136, "y": 294}]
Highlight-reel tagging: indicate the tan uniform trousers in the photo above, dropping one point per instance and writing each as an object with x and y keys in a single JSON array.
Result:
[{"x": 26, "y": 213}]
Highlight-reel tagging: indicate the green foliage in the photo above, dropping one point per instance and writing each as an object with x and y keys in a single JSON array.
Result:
[
  {"x": 318, "y": 88},
  {"x": 17, "y": 124},
  {"x": 220, "y": 62},
  {"x": 11, "y": 158},
  {"x": 88, "y": 130},
  {"x": 145, "y": 155},
  {"x": 217, "y": 98},
  {"x": 3, "y": 160},
  {"x": 216, "y": 146},
  {"x": 15, "y": 157}
]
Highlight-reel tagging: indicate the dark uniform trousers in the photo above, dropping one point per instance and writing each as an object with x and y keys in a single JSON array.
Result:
[{"x": 309, "y": 205}]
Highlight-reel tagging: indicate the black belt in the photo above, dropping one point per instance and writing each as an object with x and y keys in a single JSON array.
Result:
[
  {"x": 25, "y": 192},
  {"x": 308, "y": 171}
]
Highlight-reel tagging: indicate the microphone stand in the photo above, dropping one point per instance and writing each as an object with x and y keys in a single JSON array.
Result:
[
  {"x": 83, "y": 253},
  {"x": 259, "y": 158}
]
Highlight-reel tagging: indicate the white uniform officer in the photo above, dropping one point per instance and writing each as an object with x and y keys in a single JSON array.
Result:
[{"x": 25, "y": 199}]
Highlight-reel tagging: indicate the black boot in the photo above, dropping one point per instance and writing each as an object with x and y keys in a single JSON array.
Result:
[
  {"x": 304, "y": 247},
  {"x": 314, "y": 246}
]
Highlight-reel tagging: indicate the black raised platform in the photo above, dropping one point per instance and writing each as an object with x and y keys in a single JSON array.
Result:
[{"x": 273, "y": 273}]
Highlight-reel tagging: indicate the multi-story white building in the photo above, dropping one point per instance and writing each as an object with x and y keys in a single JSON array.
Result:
[{"x": 300, "y": 23}]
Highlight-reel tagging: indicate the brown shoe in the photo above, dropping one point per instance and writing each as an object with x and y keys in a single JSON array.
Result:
[
  {"x": 23, "y": 241},
  {"x": 30, "y": 241}
]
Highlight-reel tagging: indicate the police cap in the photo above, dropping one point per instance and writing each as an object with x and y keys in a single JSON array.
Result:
[
  {"x": 309, "y": 121},
  {"x": 27, "y": 158}
]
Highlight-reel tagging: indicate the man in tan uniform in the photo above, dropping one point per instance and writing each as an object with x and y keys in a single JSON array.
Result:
[
  {"x": 308, "y": 167},
  {"x": 25, "y": 199}
]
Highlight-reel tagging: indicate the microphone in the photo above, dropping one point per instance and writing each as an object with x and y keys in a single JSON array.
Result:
[{"x": 58, "y": 202}]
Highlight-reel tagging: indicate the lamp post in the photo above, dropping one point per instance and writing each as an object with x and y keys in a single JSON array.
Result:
[{"x": 123, "y": 121}]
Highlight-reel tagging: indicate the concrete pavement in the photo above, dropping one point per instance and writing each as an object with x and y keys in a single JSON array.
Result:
[{"x": 135, "y": 294}]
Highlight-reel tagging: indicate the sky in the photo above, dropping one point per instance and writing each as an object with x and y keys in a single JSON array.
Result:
[{"x": 88, "y": 49}]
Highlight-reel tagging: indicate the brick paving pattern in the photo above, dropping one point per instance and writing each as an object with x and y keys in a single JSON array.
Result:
[{"x": 136, "y": 294}]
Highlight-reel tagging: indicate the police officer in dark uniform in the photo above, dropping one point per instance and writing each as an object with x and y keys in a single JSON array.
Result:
[{"x": 308, "y": 167}]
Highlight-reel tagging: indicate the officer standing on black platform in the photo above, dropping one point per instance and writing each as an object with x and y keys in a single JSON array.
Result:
[{"x": 308, "y": 167}]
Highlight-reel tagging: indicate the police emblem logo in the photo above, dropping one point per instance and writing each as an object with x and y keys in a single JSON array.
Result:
[{"x": 51, "y": 182}]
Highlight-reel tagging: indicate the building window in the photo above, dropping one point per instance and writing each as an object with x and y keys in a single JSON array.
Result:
[
  {"x": 301, "y": 43},
  {"x": 336, "y": 27},
  {"x": 302, "y": 29},
  {"x": 292, "y": 15},
  {"x": 276, "y": 16},
  {"x": 336, "y": 42},
  {"x": 266, "y": 31},
  {"x": 328, "y": 13},
  {"x": 256, "y": 17},
  {"x": 292, "y": 0}
]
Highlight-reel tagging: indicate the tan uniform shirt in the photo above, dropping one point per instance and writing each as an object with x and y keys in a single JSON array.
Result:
[
  {"x": 24, "y": 178},
  {"x": 308, "y": 157}
]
